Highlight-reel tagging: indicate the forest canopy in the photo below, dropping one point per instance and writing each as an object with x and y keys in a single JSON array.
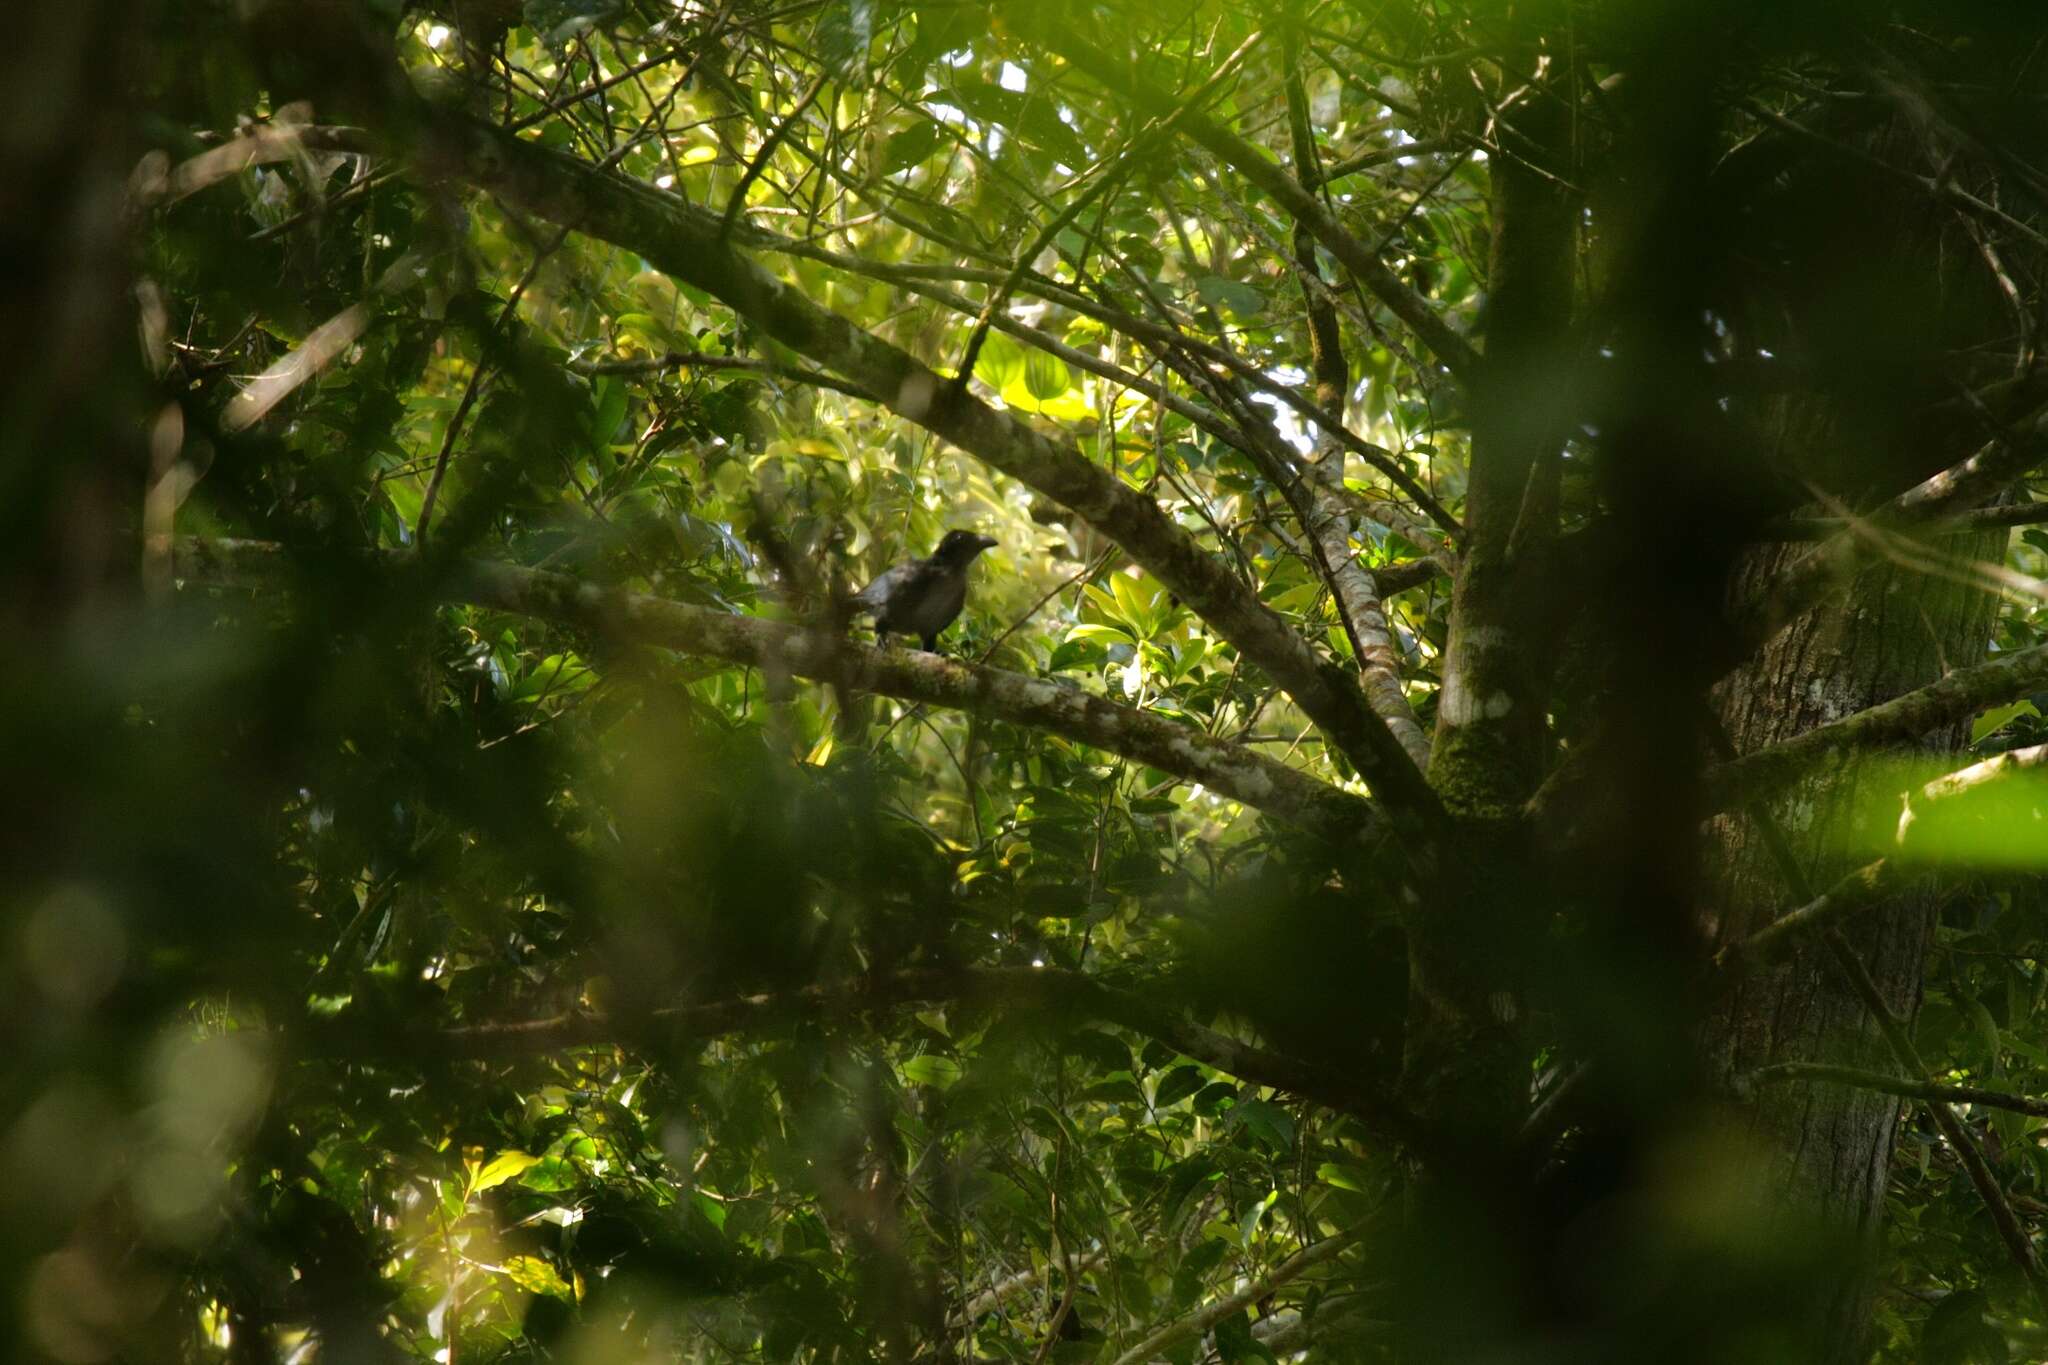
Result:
[{"x": 1485, "y": 801}]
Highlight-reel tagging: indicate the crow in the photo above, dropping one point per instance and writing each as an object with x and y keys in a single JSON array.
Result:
[{"x": 922, "y": 597}]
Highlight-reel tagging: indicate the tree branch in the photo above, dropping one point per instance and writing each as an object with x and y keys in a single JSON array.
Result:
[
  {"x": 1158, "y": 336},
  {"x": 1928, "y": 812},
  {"x": 687, "y": 360},
  {"x": 1379, "y": 156},
  {"x": 1356, "y": 592},
  {"x": 1963, "y": 693},
  {"x": 1343, "y": 1322},
  {"x": 921, "y": 280},
  {"x": 1229, "y": 769},
  {"x": 1962, "y": 523},
  {"x": 1903, "y": 1086}
]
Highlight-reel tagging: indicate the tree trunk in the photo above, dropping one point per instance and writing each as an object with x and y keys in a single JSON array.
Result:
[{"x": 1828, "y": 1148}]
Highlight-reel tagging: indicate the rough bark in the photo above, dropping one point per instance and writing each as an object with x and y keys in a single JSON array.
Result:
[
  {"x": 1813, "y": 753},
  {"x": 1466, "y": 1054},
  {"x": 1464, "y": 1061},
  {"x": 1829, "y": 1147}
]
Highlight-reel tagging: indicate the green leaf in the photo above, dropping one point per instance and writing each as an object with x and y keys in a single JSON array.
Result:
[
  {"x": 1001, "y": 361},
  {"x": 1235, "y": 1342},
  {"x": 1176, "y": 1085},
  {"x": 910, "y": 146},
  {"x": 501, "y": 1168},
  {"x": 1248, "y": 1222},
  {"x": 1241, "y": 300},
  {"x": 1998, "y": 716},
  {"x": 1077, "y": 653},
  {"x": 1267, "y": 1122},
  {"x": 1115, "y": 1090},
  {"x": 1105, "y": 1053},
  {"x": 933, "y": 1070},
  {"x": 1987, "y": 1032},
  {"x": 713, "y": 1210},
  {"x": 1960, "y": 1332},
  {"x": 1032, "y": 118},
  {"x": 1190, "y": 1276},
  {"x": 1343, "y": 1177},
  {"x": 1046, "y": 376},
  {"x": 608, "y": 411},
  {"x": 536, "y": 1276}
]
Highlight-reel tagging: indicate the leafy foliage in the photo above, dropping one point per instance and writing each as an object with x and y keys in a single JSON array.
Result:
[{"x": 403, "y": 977}]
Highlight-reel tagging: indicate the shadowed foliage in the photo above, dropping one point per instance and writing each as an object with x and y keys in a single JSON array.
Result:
[{"x": 1484, "y": 803}]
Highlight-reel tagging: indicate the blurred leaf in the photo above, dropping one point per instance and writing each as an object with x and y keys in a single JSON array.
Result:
[{"x": 499, "y": 1169}]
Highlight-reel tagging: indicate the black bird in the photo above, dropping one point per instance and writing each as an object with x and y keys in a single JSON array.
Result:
[{"x": 922, "y": 597}]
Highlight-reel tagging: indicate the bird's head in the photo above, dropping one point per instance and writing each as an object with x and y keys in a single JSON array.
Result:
[{"x": 960, "y": 547}]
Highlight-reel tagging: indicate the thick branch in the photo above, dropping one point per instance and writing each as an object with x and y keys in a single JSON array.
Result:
[
  {"x": 1061, "y": 708},
  {"x": 1344, "y": 1322},
  {"x": 688, "y": 360},
  {"x": 1359, "y": 598},
  {"x": 1380, "y": 156},
  {"x": 1929, "y": 812},
  {"x": 1408, "y": 574},
  {"x": 1961, "y": 523},
  {"x": 1961, "y": 694},
  {"x": 1010, "y": 1286},
  {"x": 1160, "y": 337}
]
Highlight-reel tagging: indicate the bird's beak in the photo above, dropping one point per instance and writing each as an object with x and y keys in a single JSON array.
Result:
[{"x": 984, "y": 542}]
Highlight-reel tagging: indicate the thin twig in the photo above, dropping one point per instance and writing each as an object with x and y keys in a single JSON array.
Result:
[
  {"x": 476, "y": 379},
  {"x": 1903, "y": 1086}
]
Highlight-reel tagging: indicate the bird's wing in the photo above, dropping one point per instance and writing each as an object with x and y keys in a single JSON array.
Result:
[{"x": 877, "y": 593}]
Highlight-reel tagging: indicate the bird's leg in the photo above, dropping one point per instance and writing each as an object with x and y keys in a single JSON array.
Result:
[{"x": 931, "y": 644}]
